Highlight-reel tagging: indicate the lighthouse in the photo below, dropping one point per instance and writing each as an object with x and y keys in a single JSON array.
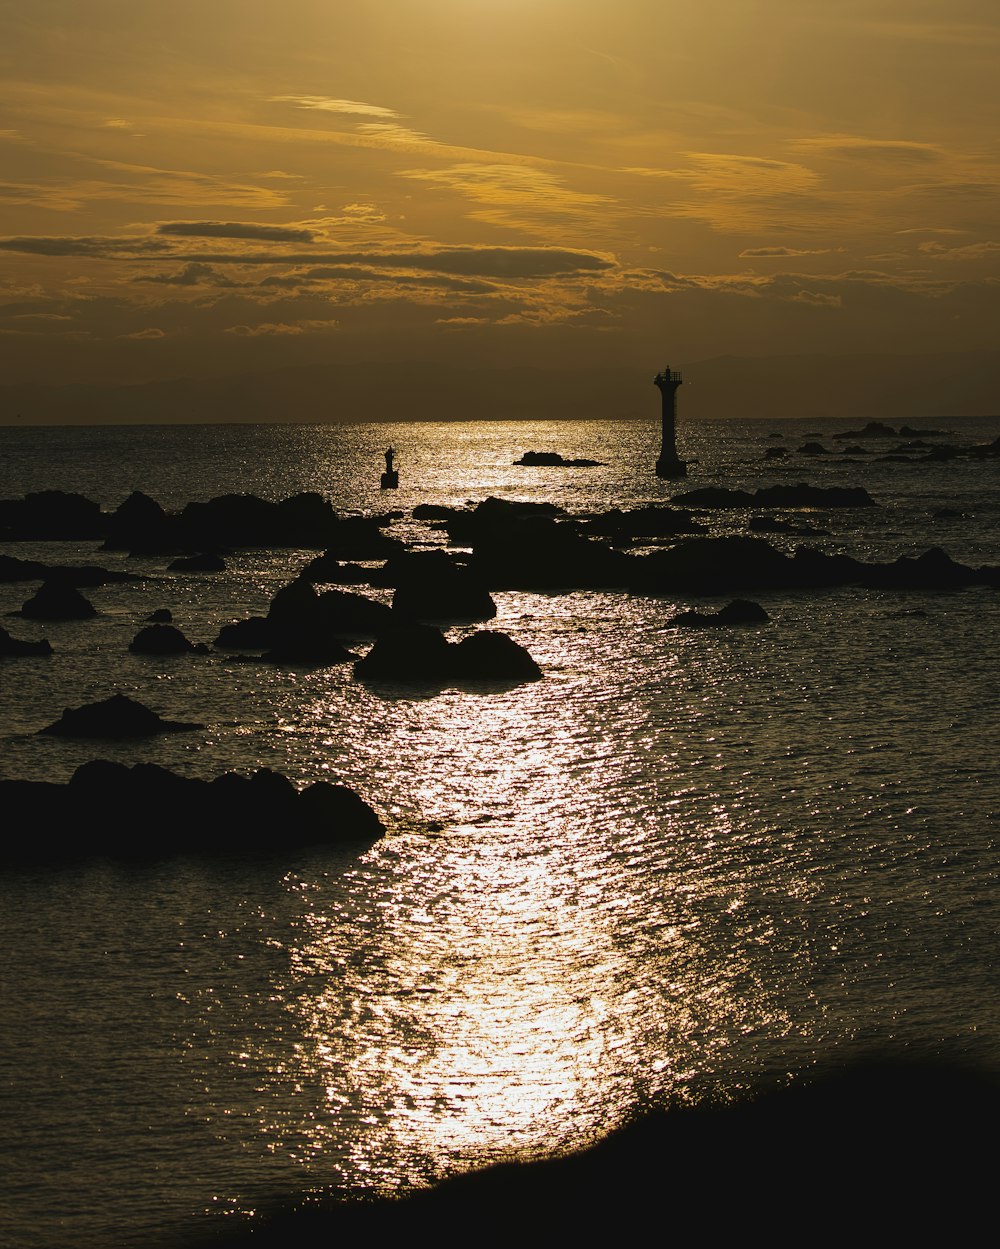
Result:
[{"x": 668, "y": 465}]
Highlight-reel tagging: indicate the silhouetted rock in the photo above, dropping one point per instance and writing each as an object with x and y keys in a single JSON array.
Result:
[
  {"x": 50, "y": 515},
  {"x": 253, "y": 634},
  {"x": 492, "y": 656},
  {"x": 493, "y": 517},
  {"x": 14, "y": 569},
  {"x": 552, "y": 459},
  {"x": 306, "y": 627},
  {"x": 147, "y": 811},
  {"x": 420, "y": 654},
  {"x": 140, "y": 523},
  {"x": 57, "y": 600},
  {"x": 896, "y": 1149},
  {"x": 812, "y": 448},
  {"x": 160, "y": 639},
  {"x": 408, "y": 653},
  {"x": 775, "y": 453},
  {"x": 162, "y": 615},
  {"x": 739, "y": 612},
  {"x": 117, "y": 716},
  {"x": 430, "y": 585},
  {"x": 205, "y": 562},
  {"x": 15, "y": 648},
  {"x": 874, "y": 429}
]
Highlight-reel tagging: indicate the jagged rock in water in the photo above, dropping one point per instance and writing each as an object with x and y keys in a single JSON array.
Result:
[
  {"x": 117, "y": 716},
  {"x": 57, "y": 600},
  {"x": 16, "y": 648}
]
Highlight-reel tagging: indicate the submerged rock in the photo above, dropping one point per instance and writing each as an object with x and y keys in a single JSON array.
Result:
[{"x": 117, "y": 716}]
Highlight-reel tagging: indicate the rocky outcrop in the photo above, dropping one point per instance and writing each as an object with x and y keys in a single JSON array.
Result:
[
  {"x": 724, "y": 565},
  {"x": 58, "y": 600},
  {"x": 431, "y": 585},
  {"x": 117, "y": 716},
  {"x": 16, "y": 648},
  {"x": 306, "y": 627},
  {"x": 552, "y": 459},
  {"x": 164, "y": 639},
  {"x": 740, "y": 611},
  {"x": 50, "y": 515},
  {"x": 420, "y": 654},
  {"x": 146, "y": 811}
]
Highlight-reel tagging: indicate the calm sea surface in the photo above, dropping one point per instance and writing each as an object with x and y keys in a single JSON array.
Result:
[{"x": 681, "y": 864}]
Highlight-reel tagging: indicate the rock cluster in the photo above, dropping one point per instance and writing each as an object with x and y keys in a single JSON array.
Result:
[{"x": 146, "y": 811}]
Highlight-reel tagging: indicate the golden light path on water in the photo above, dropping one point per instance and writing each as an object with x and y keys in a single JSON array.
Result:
[{"x": 531, "y": 954}]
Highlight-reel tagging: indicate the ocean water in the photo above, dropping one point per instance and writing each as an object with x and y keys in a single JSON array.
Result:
[{"x": 681, "y": 865}]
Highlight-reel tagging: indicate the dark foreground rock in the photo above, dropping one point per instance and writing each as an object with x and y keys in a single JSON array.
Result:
[
  {"x": 740, "y": 611},
  {"x": 146, "y": 811},
  {"x": 895, "y": 1149},
  {"x": 421, "y": 654},
  {"x": 117, "y": 716},
  {"x": 16, "y": 648}
]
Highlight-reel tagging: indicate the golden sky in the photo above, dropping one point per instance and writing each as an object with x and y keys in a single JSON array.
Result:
[{"x": 200, "y": 189}]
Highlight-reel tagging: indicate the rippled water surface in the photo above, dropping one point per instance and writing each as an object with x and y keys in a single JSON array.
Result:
[{"x": 680, "y": 864}]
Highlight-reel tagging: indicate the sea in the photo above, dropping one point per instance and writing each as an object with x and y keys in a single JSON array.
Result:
[{"x": 685, "y": 865}]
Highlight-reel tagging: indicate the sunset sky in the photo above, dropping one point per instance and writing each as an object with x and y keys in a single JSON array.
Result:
[{"x": 205, "y": 189}]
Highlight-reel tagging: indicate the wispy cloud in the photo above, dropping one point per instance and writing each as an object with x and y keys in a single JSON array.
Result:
[
  {"x": 859, "y": 147},
  {"x": 327, "y": 104},
  {"x": 272, "y": 329}
]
